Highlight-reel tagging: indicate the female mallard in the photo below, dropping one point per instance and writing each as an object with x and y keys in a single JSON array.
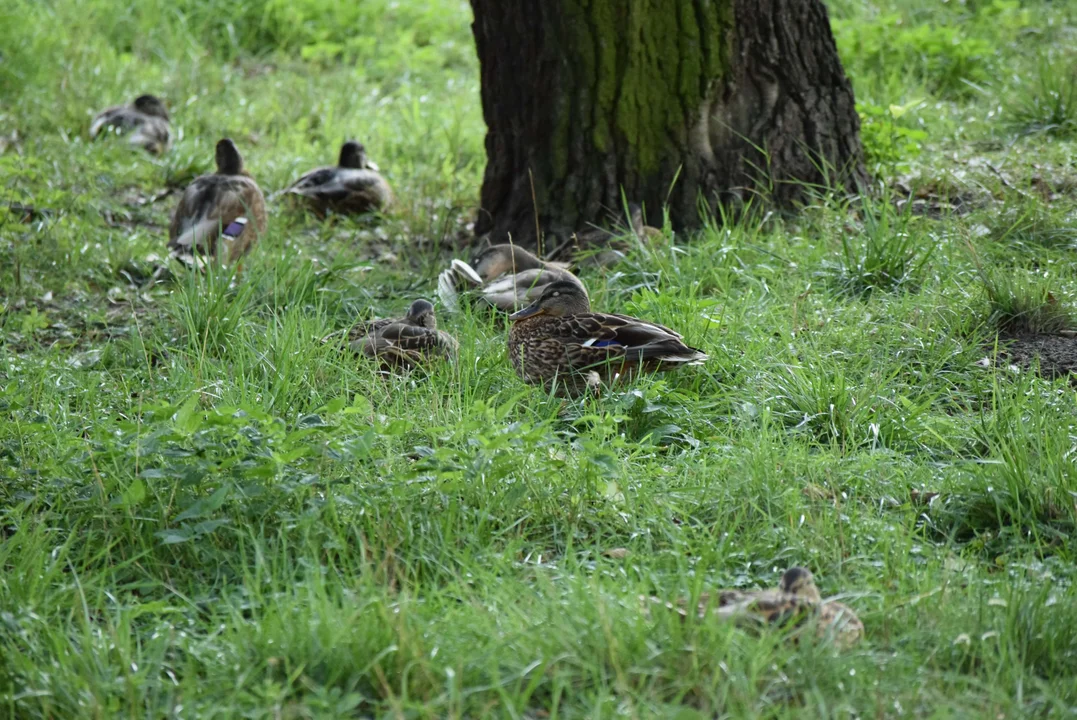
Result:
[
  {"x": 226, "y": 206},
  {"x": 354, "y": 186},
  {"x": 559, "y": 340},
  {"x": 796, "y": 601},
  {"x": 146, "y": 117},
  {"x": 508, "y": 276},
  {"x": 405, "y": 342}
]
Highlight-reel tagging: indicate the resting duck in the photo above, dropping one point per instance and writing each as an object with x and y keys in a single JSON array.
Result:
[
  {"x": 225, "y": 208},
  {"x": 147, "y": 117},
  {"x": 406, "y": 342},
  {"x": 354, "y": 186},
  {"x": 507, "y": 276},
  {"x": 795, "y": 601},
  {"x": 559, "y": 341}
]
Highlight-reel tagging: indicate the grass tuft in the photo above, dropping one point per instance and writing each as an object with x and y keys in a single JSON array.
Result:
[
  {"x": 1022, "y": 302},
  {"x": 1046, "y": 102},
  {"x": 884, "y": 253}
]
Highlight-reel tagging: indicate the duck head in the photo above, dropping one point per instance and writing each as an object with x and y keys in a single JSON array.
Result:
[
  {"x": 799, "y": 581},
  {"x": 229, "y": 161},
  {"x": 151, "y": 105},
  {"x": 421, "y": 314},
  {"x": 559, "y": 299},
  {"x": 352, "y": 155},
  {"x": 501, "y": 259}
]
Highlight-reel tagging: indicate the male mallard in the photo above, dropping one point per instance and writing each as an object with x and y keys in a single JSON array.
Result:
[
  {"x": 404, "y": 342},
  {"x": 509, "y": 277},
  {"x": 354, "y": 186},
  {"x": 227, "y": 206},
  {"x": 795, "y": 601},
  {"x": 146, "y": 116},
  {"x": 559, "y": 340}
]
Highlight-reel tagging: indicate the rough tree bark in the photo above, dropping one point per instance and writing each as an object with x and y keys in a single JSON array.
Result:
[{"x": 671, "y": 101}]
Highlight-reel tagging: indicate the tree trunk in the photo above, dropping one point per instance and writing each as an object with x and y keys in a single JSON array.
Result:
[{"x": 672, "y": 102}]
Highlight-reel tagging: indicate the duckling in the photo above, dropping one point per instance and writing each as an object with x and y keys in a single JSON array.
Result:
[
  {"x": 795, "y": 601},
  {"x": 226, "y": 206},
  {"x": 354, "y": 186},
  {"x": 558, "y": 342},
  {"x": 405, "y": 342},
  {"x": 508, "y": 276},
  {"x": 147, "y": 117}
]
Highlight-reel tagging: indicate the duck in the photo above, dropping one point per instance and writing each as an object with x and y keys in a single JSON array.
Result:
[
  {"x": 796, "y": 602},
  {"x": 404, "y": 343},
  {"x": 146, "y": 119},
  {"x": 225, "y": 208},
  {"x": 354, "y": 186},
  {"x": 507, "y": 277},
  {"x": 557, "y": 342}
]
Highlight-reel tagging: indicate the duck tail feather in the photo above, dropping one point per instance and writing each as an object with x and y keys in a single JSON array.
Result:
[
  {"x": 466, "y": 272},
  {"x": 450, "y": 299}
]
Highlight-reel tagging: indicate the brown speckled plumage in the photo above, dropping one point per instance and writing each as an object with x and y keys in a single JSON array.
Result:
[
  {"x": 211, "y": 203},
  {"x": 406, "y": 342},
  {"x": 354, "y": 186},
  {"x": 796, "y": 602},
  {"x": 558, "y": 342}
]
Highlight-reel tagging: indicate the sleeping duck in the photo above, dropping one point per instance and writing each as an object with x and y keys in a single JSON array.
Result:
[
  {"x": 406, "y": 342},
  {"x": 353, "y": 187},
  {"x": 145, "y": 120},
  {"x": 506, "y": 276},
  {"x": 795, "y": 602},
  {"x": 225, "y": 208},
  {"x": 557, "y": 342}
]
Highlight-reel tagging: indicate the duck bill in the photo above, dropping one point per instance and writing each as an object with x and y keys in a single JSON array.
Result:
[{"x": 529, "y": 311}]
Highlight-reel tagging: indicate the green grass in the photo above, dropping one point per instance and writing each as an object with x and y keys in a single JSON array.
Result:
[{"x": 206, "y": 511}]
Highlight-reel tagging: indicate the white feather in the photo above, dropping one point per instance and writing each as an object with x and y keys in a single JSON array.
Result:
[
  {"x": 98, "y": 123},
  {"x": 447, "y": 291},
  {"x": 196, "y": 234},
  {"x": 466, "y": 272}
]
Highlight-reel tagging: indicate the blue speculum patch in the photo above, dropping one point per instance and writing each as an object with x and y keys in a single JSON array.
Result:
[{"x": 235, "y": 228}]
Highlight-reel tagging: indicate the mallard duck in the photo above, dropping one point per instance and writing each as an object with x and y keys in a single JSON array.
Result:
[
  {"x": 147, "y": 117},
  {"x": 404, "y": 342},
  {"x": 559, "y": 341},
  {"x": 226, "y": 206},
  {"x": 354, "y": 186},
  {"x": 508, "y": 277},
  {"x": 796, "y": 601}
]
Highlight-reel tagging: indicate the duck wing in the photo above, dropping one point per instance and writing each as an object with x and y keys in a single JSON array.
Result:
[
  {"x": 400, "y": 344},
  {"x": 591, "y": 338},
  {"x": 313, "y": 182},
  {"x": 459, "y": 275},
  {"x": 153, "y": 134},
  {"x": 336, "y": 184},
  {"x": 118, "y": 116},
  {"x": 511, "y": 292},
  {"x": 422, "y": 339},
  {"x": 217, "y": 207},
  {"x": 361, "y": 330}
]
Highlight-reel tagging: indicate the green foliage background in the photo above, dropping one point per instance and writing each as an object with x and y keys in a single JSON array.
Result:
[{"x": 207, "y": 511}]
